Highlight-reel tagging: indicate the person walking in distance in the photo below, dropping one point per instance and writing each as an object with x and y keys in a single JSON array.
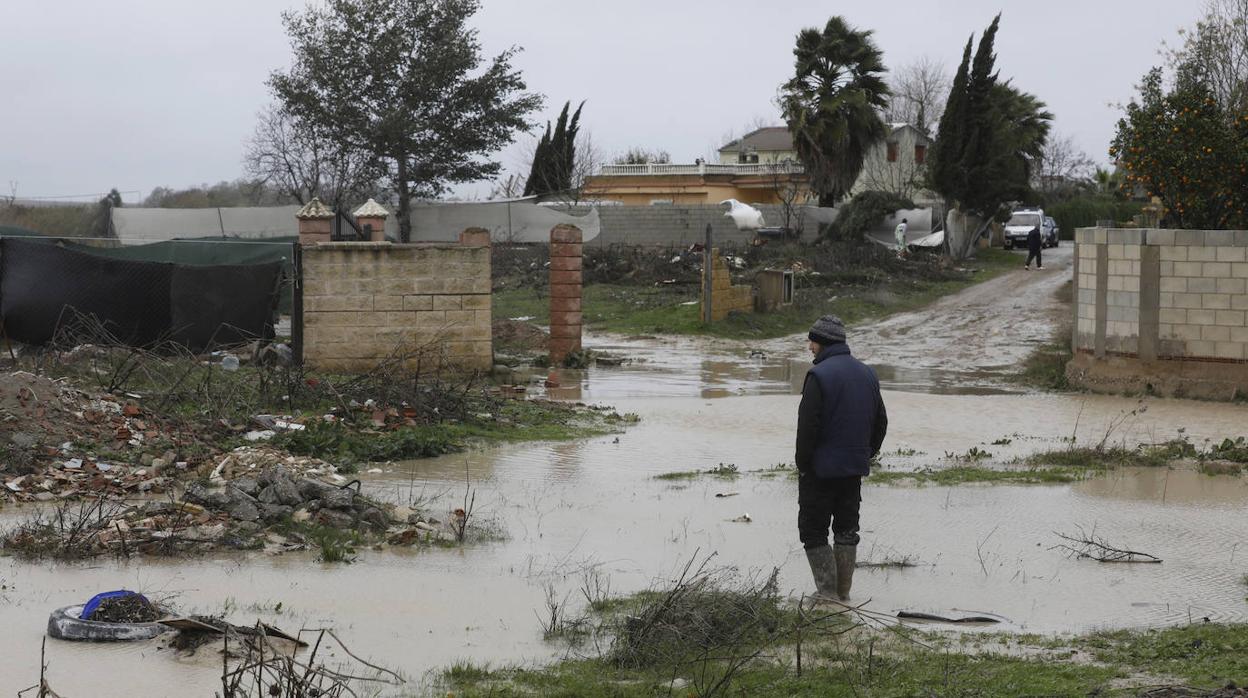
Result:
[
  {"x": 899, "y": 234},
  {"x": 841, "y": 425},
  {"x": 1034, "y": 246}
]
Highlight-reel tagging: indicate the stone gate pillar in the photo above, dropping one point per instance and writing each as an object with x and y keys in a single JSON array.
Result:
[
  {"x": 315, "y": 222},
  {"x": 565, "y": 292},
  {"x": 372, "y": 217}
]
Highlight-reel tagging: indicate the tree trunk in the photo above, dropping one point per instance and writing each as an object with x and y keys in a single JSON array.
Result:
[
  {"x": 960, "y": 243},
  {"x": 405, "y": 200}
]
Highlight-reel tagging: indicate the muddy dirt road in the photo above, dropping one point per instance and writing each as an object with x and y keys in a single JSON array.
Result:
[
  {"x": 965, "y": 343},
  {"x": 986, "y": 329}
]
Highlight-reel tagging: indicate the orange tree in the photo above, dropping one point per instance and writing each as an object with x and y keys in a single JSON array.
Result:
[{"x": 1186, "y": 148}]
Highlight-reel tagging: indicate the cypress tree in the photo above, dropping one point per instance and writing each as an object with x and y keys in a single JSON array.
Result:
[
  {"x": 944, "y": 170},
  {"x": 555, "y": 156}
]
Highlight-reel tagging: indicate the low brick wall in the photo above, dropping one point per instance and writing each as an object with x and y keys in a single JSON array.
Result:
[
  {"x": 364, "y": 302},
  {"x": 1164, "y": 311},
  {"x": 726, "y": 298}
]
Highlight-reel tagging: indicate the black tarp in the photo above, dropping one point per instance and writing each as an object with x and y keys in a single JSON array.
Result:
[{"x": 139, "y": 303}]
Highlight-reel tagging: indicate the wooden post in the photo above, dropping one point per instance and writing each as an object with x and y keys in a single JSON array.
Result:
[{"x": 708, "y": 277}]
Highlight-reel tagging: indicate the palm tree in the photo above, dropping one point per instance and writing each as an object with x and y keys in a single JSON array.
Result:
[
  {"x": 1101, "y": 177},
  {"x": 832, "y": 105}
]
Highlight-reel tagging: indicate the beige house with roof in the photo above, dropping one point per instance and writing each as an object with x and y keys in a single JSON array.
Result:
[{"x": 761, "y": 167}]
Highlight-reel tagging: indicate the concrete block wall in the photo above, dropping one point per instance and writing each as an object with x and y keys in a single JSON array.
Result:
[
  {"x": 726, "y": 298},
  {"x": 679, "y": 226},
  {"x": 1171, "y": 303},
  {"x": 364, "y": 302}
]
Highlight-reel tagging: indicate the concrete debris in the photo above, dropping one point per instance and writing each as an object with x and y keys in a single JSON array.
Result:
[
  {"x": 247, "y": 511},
  {"x": 51, "y": 435}
]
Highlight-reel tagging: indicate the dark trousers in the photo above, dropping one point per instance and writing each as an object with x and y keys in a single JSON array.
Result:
[
  {"x": 1033, "y": 254},
  {"x": 824, "y": 503}
]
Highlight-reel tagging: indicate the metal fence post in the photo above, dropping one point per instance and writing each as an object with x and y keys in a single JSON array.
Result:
[
  {"x": 708, "y": 277},
  {"x": 296, "y": 305}
]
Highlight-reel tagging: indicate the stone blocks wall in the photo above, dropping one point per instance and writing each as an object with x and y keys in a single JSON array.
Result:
[
  {"x": 565, "y": 291},
  {"x": 678, "y": 226},
  {"x": 726, "y": 298},
  {"x": 365, "y": 302},
  {"x": 1157, "y": 307}
]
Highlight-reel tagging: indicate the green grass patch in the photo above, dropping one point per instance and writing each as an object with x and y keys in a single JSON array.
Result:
[
  {"x": 513, "y": 420},
  {"x": 1106, "y": 458},
  {"x": 1204, "y": 655},
  {"x": 1045, "y": 368},
  {"x": 666, "y": 309},
  {"x": 723, "y": 470},
  {"x": 965, "y": 474},
  {"x": 335, "y": 544},
  {"x": 1234, "y": 450}
]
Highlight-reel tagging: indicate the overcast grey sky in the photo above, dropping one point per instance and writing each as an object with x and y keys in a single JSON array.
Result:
[{"x": 136, "y": 94}]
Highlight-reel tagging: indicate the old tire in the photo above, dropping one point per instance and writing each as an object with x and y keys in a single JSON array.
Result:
[{"x": 64, "y": 624}]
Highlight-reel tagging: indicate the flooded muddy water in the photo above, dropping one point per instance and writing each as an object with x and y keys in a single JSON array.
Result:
[
  {"x": 566, "y": 510},
  {"x": 569, "y": 508}
]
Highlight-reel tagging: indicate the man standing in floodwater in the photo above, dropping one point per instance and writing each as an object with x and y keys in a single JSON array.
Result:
[{"x": 841, "y": 424}]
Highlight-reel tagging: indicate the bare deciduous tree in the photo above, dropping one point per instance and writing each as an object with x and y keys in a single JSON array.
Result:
[
  {"x": 1215, "y": 52},
  {"x": 293, "y": 156},
  {"x": 1063, "y": 168},
  {"x": 919, "y": 89},
  {"x": 588, "y": 159},
  {"x": 793, "y": 195},
  {"x": 903, "y": 177},
  {"x": 509, "y": 187},
  {"x": 640, "y": 155}
]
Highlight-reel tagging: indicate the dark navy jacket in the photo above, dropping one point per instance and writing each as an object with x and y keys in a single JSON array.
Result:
[
  {"x": 1033, "y": 241},
  {"x": 841, "y": 421}
]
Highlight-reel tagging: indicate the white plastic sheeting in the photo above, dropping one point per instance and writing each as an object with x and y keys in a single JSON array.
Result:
[
  {"x": 518, "y": 220},
  {"x": 138, "y": 226}
]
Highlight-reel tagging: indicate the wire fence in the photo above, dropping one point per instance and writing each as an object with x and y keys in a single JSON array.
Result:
[{"x": 198, "y": 294}]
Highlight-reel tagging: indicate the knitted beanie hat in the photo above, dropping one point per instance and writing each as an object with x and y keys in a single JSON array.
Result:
[{"x": 828, "y": 330}]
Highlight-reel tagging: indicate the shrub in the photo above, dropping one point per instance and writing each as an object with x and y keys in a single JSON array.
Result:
[
  {"x": 1085, "y": 211},
  {"x": 864, "y": 212}
]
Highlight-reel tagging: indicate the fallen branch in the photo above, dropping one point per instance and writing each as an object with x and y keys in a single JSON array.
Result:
[{"x": 1093, "y": 547}]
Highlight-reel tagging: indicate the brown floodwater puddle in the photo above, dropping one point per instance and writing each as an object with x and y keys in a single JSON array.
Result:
[
  {"x": 669, "y": 366},
  {"x": 594, "y": 505}
]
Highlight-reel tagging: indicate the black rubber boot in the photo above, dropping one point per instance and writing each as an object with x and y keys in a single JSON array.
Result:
[
  {"x": 846, "y": 557},
  {"x": 823, "y": 569}
]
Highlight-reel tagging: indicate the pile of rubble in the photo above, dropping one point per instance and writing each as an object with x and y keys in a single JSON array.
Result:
[
  {"x": 69, "y": 478},
  {"x": 255, "y": 498},
  {"x": 274, "y": 495},
  {"x": 52, "y": 435}
]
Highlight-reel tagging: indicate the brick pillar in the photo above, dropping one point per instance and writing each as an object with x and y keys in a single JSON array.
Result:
[
  {"x": 565, "y": 292},
  {"x": 372, "y": 216},
  {"x": 315, "y": 222},
  {"x": 475, "y": 237}
]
